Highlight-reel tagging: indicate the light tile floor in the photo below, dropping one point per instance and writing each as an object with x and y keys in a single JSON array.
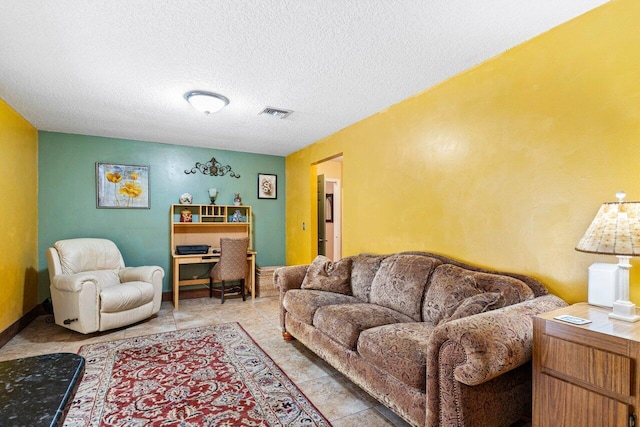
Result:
[{"x": 340, "y": 401}]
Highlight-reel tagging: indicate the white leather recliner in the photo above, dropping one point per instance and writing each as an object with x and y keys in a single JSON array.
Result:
[{"x": 92, "y": 290}]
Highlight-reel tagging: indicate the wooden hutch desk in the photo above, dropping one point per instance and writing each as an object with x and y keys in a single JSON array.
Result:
[{"x": 209, "y": 224}]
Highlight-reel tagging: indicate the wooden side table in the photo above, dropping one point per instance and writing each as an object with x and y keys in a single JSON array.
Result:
[{"x": 585, "y": 375}]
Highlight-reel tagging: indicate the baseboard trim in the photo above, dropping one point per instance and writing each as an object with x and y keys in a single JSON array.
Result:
[
  {"x": 187, "y": 294},
  {"x": 20, "y": 324}
]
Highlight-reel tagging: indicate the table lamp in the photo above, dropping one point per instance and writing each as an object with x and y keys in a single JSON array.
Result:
[
  {"x": 616, "y": 231},
  {"x": 213, "y": 193}
]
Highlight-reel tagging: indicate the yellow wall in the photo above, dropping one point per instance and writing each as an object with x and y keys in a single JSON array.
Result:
[
  {"x": 503, "y": 166},
  {"x": 19, "y": 224}
]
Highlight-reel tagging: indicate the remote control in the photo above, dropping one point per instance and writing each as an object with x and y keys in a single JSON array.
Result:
[{"x": 573, "y": 319}]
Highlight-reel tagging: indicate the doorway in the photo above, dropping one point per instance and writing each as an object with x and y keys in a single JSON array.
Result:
[
  {"x": 332, "y": 227},
  {"x": 329, "y": 208}
]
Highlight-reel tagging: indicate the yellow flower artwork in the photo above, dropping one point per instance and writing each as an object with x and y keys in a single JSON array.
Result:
[
  {"x": 122, "y": 186},
  {"x": 114, "y": 177},
  {"x": 131, "y": 189}
]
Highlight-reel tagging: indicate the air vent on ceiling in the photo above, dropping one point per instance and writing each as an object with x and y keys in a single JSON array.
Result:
[{"x": 276, "y": 112}]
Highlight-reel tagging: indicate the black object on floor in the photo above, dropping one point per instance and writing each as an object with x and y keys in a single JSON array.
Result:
[{"x": 37, "y": 391}]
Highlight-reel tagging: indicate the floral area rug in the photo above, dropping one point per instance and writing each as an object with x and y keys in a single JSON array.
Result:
[{"x": 210, "y": 376}]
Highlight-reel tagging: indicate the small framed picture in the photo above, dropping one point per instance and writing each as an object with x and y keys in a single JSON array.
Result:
[
  {"x": 267, "y": 188},
  {"x": 122, "y": 186}
]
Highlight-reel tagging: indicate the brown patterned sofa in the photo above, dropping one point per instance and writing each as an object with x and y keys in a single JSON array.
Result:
[{"x": 439, "y": 342}]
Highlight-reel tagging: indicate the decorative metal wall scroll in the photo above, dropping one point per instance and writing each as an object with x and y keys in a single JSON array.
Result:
[{"x": 213, "y": 168}]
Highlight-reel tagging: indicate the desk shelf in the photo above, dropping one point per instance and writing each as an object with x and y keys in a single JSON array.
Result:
[{"x": 209, "y": 224}]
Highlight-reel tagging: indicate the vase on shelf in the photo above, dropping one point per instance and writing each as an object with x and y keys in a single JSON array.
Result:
[{"x": 236, "y": 199}]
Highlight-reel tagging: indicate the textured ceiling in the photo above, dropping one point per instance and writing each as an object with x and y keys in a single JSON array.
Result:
[{"x": 120, "y": 68}]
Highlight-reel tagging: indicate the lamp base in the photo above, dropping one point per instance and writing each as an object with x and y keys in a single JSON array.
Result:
[{"x": 624, "y": 310}]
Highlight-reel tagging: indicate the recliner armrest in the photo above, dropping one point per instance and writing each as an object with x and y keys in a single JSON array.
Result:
[
  {"x": 73, "y": 282},
  {"x": 494, "y": 342},
  {"x": 143, "y": 274}
]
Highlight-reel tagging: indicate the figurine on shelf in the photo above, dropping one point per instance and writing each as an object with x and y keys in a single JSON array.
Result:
[
  {"x": 186, "y": 199},
  {"x": 237, "y": 217},
  {"x": 237, "y": 200}
]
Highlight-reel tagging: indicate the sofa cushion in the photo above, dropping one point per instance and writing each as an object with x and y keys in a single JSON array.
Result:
[
  {"x": 302, "y": 303},
  {"x": 477, "y": 304},
  {"x": 451, "y": 285},
  {"x": 512, "y": 289},
  {"x": 343, "y": 323},
  {"x": 363, "y": 271},
  {"x": 325, "y": 275},
  {"x": 400, "y": 283},
  {"x": 404, "y": 346}
]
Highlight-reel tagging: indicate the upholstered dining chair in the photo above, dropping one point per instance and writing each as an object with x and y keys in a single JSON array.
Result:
[
  {"x": 231, "y": 267},
  {"x": 92, "y": 290}
]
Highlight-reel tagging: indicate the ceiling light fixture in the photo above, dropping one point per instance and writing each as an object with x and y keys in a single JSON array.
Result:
[{"x": 206, "y": 102}]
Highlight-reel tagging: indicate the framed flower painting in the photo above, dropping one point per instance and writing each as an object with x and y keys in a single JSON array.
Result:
[
  {"x": 122, "y": 186},
  {"x": 267, "y": 188}
]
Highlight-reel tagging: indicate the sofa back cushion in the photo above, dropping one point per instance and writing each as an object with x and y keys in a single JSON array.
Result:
[
  {"x": 363, "y": 271},
  {"x": 400, "y": 283},
  {"x": 325, "y": 275},
  {"x": 450, "y": 286}
]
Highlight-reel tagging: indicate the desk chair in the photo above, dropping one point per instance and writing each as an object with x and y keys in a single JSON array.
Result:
[{"x": 231, "y": 267}]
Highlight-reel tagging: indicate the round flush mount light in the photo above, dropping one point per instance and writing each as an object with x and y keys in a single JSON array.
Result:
[{"x": 206, "y": 102}]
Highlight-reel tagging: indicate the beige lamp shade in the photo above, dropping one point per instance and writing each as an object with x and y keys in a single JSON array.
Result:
[{"x": 614, "y": 231}]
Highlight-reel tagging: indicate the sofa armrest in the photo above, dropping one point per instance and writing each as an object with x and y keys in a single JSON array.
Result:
[
  {"x": 492, "y": 343},
  {"x": 286, "y": 278},
  {"x": 73, "y": 282}
]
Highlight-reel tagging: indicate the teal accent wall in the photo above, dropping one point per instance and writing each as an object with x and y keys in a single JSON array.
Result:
[{"x": 67, "y": 197}]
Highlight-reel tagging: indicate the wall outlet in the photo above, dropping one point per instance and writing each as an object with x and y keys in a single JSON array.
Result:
[{"x": 304, "y": 226}]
